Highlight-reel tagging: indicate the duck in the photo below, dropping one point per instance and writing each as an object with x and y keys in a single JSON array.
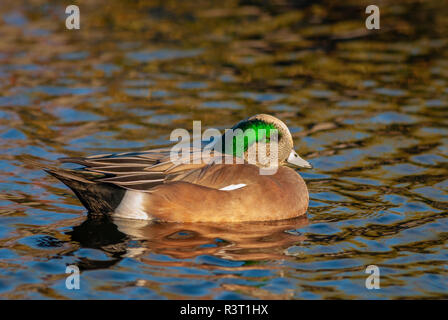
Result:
[{"x": 228, "y": 185}]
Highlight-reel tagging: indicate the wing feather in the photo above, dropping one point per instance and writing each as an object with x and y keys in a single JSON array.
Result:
[{"x": 137, "y": 170}]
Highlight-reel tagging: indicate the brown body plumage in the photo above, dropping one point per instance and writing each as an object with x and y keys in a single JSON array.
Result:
[{"x": 148, "y": 185}]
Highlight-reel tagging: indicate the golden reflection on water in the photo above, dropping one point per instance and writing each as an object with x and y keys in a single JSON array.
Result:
[
  {"x": 369, "y": 109},
  {"x": 242, "y": 241}
]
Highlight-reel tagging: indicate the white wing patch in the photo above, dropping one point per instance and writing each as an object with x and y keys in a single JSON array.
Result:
[
  {"x": 131, "y": 206},
  {"x": 233, "y": 187}
]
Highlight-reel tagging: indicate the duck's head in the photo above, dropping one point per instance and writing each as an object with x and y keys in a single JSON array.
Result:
[{"x": 266, "y": 139}]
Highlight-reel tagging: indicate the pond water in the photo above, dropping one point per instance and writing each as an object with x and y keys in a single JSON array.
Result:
[{"x": 367, "y": 108}]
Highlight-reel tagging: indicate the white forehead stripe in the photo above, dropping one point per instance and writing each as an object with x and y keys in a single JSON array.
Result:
[{"x": 233, "y": 187}]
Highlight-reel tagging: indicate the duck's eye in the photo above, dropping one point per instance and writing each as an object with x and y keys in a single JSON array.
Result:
[{"x": 295, "y": 155}]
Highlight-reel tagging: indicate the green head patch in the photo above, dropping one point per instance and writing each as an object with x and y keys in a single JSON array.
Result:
[{"x": 247, "y": 133}]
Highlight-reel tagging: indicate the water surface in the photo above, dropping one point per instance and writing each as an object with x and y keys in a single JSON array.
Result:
[{"x": 367, "y": 108}]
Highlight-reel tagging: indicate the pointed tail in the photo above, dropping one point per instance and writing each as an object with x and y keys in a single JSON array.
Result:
[{"x": 97, "y": 197}]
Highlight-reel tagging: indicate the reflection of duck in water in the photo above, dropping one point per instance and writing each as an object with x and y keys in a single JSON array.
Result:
[
  {"x": 231, "y": 241},
  {"x": 224, "y": 250},
  {"x": 102, "y": 234},
  {"x": 234, "y": 241},
  {"x": 148, "y": 185}
]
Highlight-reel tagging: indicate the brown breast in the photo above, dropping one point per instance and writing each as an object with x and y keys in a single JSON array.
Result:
[{"x": 280, "y": 196}]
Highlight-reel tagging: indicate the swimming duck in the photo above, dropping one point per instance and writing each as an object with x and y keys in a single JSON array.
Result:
[{"x": 149, "y": 185}]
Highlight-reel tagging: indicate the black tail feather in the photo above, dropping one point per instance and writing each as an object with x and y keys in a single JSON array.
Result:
[{"x": 97, "y": 197}]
